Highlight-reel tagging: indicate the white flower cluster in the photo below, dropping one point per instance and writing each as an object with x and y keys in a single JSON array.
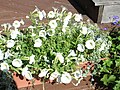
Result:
[{"x": 53, "y": 48}]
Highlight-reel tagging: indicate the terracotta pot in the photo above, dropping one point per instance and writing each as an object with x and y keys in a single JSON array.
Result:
[
  {"x": 23, "y": 82},
  {"x": 84, "y": 85},
  {"x": 84, "y": 65}
]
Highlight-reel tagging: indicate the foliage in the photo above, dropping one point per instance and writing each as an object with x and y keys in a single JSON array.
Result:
[
  {"x": 6, "y": 81},
  {"x": 109, "y": 70},
  {"x": 53, "y": 46}
]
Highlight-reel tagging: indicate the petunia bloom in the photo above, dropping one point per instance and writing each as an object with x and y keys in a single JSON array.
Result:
[
  {"x": 17, "y": 63},
  {"x": 38, "y": 43},
  {"x": 1, "y": 55},
  {"x": 53, "y": 24},
  {"x": 10, "y": 43},
  {"x": 84, "y": 30},
  {"x": 51, "y": 14},
  {"x": 90, "y": 44},
  {"x": 43, "y": 73},
  {"x": 66, "y": 78},
  {"x": 78, "y": 17},
  {"x": 54, "y": 75},
  {"x": 4, "y": 66},
  {"x": 32, "y": 59},
  {"x": 80, "y": 47},
  {"x": 16, "y": 24},
  {"x": 59, "y": 57}
]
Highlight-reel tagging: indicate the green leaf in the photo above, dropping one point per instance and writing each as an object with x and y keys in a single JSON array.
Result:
[
  {"x": 108, "y": 63},
  {"x": 105, "y": 79},
  {"x": 117, "y": 62},
  {"x": 117, "y": 82},
  {"x": 111, "y": 78},
  {"x": 118, "y": 47},
  {"x": 108, "y": 79},
  {"x": 105, "y": 69},
  {"x": 119, "y": 38}
]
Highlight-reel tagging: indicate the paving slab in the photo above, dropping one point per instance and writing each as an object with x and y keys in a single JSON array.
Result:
[{"x": 11, "y": 10}]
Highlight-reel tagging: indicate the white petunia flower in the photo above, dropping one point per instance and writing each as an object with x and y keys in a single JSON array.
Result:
[
  {"x": 51, "y": 14},
  {"x": 24, "y": 70},
  {"x": 31, "y": 27},
  {"x": 78, "y": 17},
  {"x": 72, "y": 53},
  {"x": 17, "y": 63},
  {"x": 51, "y": 32},
  {"x": 69, "y": 15},
  {"x": 10, "y": 43},
  {"x": 66, "y": 78},
  {"x": 6, "y": 26},
  {"x": 46, "y": 59},
  {"x": 40, "y": 15},
  {"x": 38, "y": 43},
  {"x": 54, "y": 75},
  {"x": 103, "y": 45},
  {"x": 9, "y": 26},
  {"x": 33, "y": 34},
  {"x": 80, "y": 47},
  {"x": 67, "y": 19},
  {"x": 42, "y": 33},
  {"x": 43, "y": 73},
  {"x": 64, "y": 29},
  {"x": 4, "y": 66},
  {"x": 53, "y": 24},
  {"x": 63, "y": 9},
  {"x": 99, "y": 40},
  {"x": 32, "y": 59},
  {"x": 44, "y": 13},
  {"x": 1, "y": 55},
  {"x": 36, "y": 10},
  {"x": 22, "y": 22},
  {"x": 90, "y": 44},
  {"x": 14, "y": 33},
  {"x": 7, "y": 54},
  {"x": 27, "y": 17},
  {"x": 84, "y": 30},
  {"x": 82, "y": 58},
  {"x": 16, "y": 24},
  {"x": 28, "y": 75},
  {"x": 78, "y": 74},
  {"x": 59, "y": 57}
]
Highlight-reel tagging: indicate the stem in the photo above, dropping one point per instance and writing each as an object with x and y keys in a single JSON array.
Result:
[{"x": 43, "y": 84}]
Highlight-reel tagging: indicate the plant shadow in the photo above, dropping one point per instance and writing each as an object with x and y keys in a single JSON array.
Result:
[{"x": 6, "y": 81}]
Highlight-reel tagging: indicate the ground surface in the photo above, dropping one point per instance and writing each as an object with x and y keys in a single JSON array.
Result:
[
  {"x": 17, "y": 9},
  {"x": 11, "y": 10}
]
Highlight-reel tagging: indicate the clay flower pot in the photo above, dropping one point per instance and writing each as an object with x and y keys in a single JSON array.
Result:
[
  {"x": 23, "y": 82},
  {"x": 85, "y": 65}
]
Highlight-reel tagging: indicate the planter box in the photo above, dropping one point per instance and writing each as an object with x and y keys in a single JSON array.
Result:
[
  {"x": 100, "y": 11},
  {"x": 84, "y": 85},
  {"x": 23, "y": 84}
]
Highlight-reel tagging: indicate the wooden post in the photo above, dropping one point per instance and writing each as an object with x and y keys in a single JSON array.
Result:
[
  {"x": 100, "y": 11},
  {"x": 100, "y": 14}
]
